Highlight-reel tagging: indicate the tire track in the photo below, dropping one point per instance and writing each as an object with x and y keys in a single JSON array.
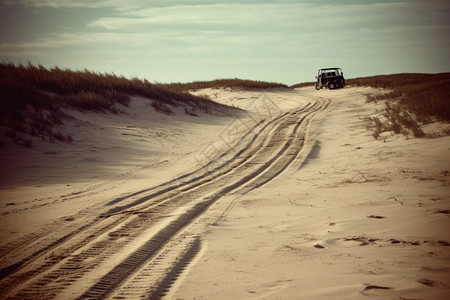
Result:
[
  {"x": 158, "y": 288},
  {"x": 110, "y": 280},
  {"x": 196, "y": 177},
  {"x": 160, "y": 190},
  {"x": 280, "y": 139}
]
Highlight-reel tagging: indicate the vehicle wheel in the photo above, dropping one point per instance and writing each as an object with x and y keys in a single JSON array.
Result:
[
  {"x": 317, "y": 86},
  {"x": 331, "y": 86}
]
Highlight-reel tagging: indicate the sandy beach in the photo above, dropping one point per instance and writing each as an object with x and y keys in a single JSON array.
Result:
[{"x": 291, "y": 198}]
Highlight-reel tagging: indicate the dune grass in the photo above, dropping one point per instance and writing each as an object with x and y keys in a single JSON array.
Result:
[
  {"x": 413, "y": 99},
  {"x": 236, "y": 83},
  {"x": 32, "y": 98},
  {"x": 425, "y": 95},
  {"x": 303, "y": 84}
]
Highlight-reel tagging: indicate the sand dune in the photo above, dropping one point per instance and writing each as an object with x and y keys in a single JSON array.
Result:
[{"x": 293, "y": 199}]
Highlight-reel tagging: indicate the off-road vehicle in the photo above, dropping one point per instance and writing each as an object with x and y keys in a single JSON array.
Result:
[{"x": 330, "y": 78}]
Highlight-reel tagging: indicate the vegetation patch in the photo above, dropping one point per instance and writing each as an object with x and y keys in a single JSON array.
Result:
[
  {"x": 32, "y": 98},
  {"x": 411, "y": 101},
  {"x": 304, "y": 84},
  {"x": 236, "y": 83},
  {"x": 396, "y": 119}
]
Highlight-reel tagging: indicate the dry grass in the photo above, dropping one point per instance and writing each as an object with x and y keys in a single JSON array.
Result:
[
  {"x": 427, "y": 96},
  {"x": 235, "y": 83},
  {"x": 412, "y": 100},
  {"x": 32, "y": 98},
  {"x": 304, "y": 84}
]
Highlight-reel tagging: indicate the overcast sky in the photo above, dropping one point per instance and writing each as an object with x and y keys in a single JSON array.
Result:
[{"x": 187, "y": 40}]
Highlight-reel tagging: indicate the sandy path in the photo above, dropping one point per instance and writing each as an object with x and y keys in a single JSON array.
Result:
[
  {"x": 268, "y": 215},
  {"x": 360, "y": 218},
  {"x": 110, "y": 242}
]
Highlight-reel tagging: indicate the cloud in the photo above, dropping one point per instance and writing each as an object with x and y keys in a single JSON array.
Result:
[
  {"x": 249, "y": 37},
  {"x": 297, "y": 24},
  {"x": 121, "y": 5},
  {"x": 57, "y": 3}
]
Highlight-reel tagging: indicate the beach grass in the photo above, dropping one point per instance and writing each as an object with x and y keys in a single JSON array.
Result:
[
  {"x": 411, "y": 101},
  {"x": 427, "y": 96},
  {"x": 32, "y": 97},
  {"x": 235, "y": 83}
]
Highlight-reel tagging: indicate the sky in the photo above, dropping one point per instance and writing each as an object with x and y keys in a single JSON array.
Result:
[{"x": 283, "y": 41}]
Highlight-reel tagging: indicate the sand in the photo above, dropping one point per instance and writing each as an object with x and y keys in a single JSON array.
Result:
[
  {"x": 112, "y": 155},
  {"x": 358, "y": 217},
  {"x": 350, "y": 217}
]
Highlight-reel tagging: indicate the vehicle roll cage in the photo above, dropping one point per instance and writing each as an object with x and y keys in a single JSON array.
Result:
[{"x": 329, "y": 72}]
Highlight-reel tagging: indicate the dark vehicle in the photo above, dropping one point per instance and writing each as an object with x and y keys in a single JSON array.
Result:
[{"x": 331, "y": 78}]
